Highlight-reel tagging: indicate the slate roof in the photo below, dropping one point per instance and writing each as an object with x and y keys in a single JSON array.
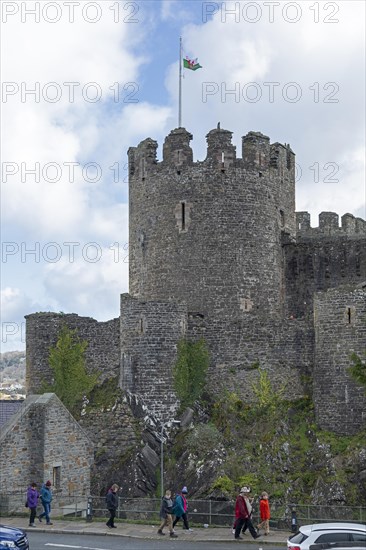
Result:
[{"x": 8, "y": 408}]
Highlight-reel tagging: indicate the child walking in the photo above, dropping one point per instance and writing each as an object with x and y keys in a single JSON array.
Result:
[{"x": 264, "y": 512}]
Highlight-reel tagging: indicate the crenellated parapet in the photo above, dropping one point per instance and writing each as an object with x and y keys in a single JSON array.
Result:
[
  {"x": 329, "y": 225},
  {"x": 258, "y": 154}
]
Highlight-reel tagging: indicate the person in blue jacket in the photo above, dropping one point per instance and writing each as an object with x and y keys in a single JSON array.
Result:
[
  {"x": 46, "y": 499},
  {"x": 180, "y": 509}
]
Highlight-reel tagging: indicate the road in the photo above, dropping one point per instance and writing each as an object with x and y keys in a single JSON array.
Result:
[{"x": 53, "y": 541}]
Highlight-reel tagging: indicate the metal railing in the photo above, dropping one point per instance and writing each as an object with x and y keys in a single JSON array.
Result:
[{"x": 211, "y": 512}]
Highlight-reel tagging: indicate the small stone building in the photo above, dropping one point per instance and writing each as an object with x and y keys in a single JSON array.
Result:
[{"x": 43, "y": 441}]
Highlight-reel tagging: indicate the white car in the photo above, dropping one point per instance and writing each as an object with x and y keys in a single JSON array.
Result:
[
  {"x": 338, "y": 546},
  {"x": 327, "y": 532}
]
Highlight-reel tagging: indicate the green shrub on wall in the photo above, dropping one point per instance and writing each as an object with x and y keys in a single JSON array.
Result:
[
  {"x": 70, "y": 378},
  {"x": 267, "y": 398},
  {"x": 190, "y": 371},
  {"x": 358, "y": 369}
]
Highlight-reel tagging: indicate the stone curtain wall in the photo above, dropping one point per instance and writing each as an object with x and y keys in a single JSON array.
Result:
[
  {"x": 319, "y": 264},
  {"x": 340, "y": 329},
  {"x": 150, "y": 332},
  {"x": 40, "y": 436},
  {"x": 42, "y": 330},
  {"x": 284, "y": 350},
  {"x": 323, "y": 257}
]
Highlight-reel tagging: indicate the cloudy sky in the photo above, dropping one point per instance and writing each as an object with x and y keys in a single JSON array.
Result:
[{"x": 83, "y": 81}]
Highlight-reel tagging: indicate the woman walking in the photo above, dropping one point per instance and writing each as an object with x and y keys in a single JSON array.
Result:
[{"x": 32, "y": 501}]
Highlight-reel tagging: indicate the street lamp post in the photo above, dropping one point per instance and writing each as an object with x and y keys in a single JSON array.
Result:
[{"x": 162, "y": 441}]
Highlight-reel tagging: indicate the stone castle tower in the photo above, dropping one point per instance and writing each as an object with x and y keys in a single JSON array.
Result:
[{"x": 217, "y": 251}]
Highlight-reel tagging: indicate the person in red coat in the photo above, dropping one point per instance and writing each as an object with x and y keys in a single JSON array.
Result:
[
  {"x": 264, "y": 512},
  {"x": 242, "y": 514}
]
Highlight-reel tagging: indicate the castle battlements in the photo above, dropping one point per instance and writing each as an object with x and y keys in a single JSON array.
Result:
[
  {"x": 258, "y": 154},
  {"x": 329, "y": 225}
]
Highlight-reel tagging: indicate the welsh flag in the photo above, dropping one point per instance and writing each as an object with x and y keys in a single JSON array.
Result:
[{"x": 191, "y": 64}]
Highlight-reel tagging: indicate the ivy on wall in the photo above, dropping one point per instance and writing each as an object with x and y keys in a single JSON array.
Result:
[
  {"x": 190, "y": 370},
  {"x": 71, "y": 382},
  {"x": 358, "y": 369}
]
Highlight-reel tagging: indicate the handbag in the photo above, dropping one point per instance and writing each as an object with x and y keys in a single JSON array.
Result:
[{"x": 26, "y": 503}]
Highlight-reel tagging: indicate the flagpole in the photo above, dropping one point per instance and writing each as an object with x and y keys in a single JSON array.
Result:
[{"x": 180, "y": 85}]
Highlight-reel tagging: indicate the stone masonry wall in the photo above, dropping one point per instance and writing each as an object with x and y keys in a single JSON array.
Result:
[
  {"x": 284, "y": 350},
  {"x": 42, "y": 330},
  {"x": 150, "y": 332},
  {"x": 67, "y": 445},
  {"x": 340, "y": 329}
]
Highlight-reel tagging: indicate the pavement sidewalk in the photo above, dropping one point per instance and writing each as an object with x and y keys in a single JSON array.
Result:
[{"x": 146, "y": 532}]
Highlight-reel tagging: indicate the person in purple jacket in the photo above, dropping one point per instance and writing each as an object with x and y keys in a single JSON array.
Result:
[{"x": 32, "y": 501}]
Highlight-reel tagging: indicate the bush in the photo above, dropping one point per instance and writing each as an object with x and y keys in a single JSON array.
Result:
[{"x": 190, "y": 371}]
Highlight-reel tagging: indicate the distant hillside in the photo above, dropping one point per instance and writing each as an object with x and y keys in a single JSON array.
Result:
[{"x": 12, "y": 367}]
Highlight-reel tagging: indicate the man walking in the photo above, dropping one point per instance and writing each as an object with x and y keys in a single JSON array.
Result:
[
  {"x": 46, "y": 499},
  {"x": 112, "y": 505}
]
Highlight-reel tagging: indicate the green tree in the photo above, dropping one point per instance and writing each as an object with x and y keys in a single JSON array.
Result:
[
  {"x": 190, "y": 371},
  {"x": 70, "y": 378},
  {"x": 267, "y": 398},
  {"x": 358, "y": 369}
]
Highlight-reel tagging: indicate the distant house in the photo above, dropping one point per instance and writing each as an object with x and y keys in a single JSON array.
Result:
[{"x": 42, "y": 441}]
